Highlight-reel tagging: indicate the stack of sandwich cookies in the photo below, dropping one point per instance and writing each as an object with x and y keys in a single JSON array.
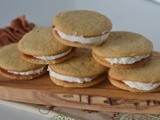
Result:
[
  {"x": 123, "y": 50},
  {"x": 80, "y": 71},
  {"x": 81, "y": 28},
  {"x": 141, "y": 79},
  {"x": 40, "y": 47},
  {"x": 13, "y": 67}
]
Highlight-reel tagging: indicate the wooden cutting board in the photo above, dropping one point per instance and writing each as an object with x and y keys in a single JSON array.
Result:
[{"x": 102, "y": 97}]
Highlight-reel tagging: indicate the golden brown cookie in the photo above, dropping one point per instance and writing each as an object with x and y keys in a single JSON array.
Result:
[
  {"x": 141, "y": 79},
  {"x": 13, "y": 67},
  {"x": 80, "y": 71},
  {"x": 123, "y": 50},
  {"x": 81, "y": 28},
  {"x": 40, "y": 47}
]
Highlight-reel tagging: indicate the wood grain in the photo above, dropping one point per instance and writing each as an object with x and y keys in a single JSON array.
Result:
[{"x": 102, "y": 97}]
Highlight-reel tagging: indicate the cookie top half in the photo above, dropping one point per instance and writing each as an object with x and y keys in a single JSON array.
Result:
[
  {"x": 124, "y": 44},
  {"x": 10, "y": 60},
  {"x": 82, "y": 23},
  {"x": 148, "y": 73},
  {"x": 81, "y": 65},
  {"x": 41, "y": 42}
]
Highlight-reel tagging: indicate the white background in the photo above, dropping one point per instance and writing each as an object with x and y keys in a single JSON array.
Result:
[{"x": 141, "y": 16}]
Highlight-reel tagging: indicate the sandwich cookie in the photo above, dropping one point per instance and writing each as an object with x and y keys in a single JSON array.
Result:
[
  {"x": 80, "y": 71},
  {"x": 81, "y": 28},
  {"x": 123, "y": 50},
  {"x": 13, "y": 67},
  {"x": 40, "y": 47},
  {"x": 141, "y": 79}
]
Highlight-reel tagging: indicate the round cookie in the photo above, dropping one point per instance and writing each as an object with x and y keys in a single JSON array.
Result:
[
  {"x": 13, "y": 67},
  {"x": 80, "y": 71},
  {"x": 141, "y": 79},
  {"x": 81, "y": 28},
  {"x": 123, "y": 50},
  {"x": 40, "y": 47}
]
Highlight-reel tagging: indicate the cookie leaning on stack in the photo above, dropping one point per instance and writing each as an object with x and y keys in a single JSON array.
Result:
[
  {"x": 123, "y": 50},
  {"x": 81, "y": 28},
  {"x": 13, "y": 67},
  {"x": 40, "y": 47}
]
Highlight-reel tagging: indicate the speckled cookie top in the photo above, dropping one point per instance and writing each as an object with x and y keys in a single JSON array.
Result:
[
  {"x": 124, "y": 44},
  {"x": 40, "y": 42},
  {"x": 81, "y": 65},
  {"x": 82, "y": 23},
  {"x": 10, "y": 60},
  {"x": 149, "y": 73}
]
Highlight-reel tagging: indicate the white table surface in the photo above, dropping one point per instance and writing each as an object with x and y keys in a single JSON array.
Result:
[
  {"x": 9, "y": 113},
  {"x": 141, "y": 16}
]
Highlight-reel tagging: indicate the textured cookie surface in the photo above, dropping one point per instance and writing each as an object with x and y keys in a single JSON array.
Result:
[
  {"x": 124, "y": 44},
  {"x": 10, "y": 59},
  {"x": 82, "y": 23},
  {"x": 148, "y": 73},
  {"x": 81, "y": 65},
  {"x": 40, "y": 42}
]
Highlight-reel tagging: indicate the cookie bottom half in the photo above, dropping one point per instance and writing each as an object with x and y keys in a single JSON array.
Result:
[{"x": 95, "y": 81}]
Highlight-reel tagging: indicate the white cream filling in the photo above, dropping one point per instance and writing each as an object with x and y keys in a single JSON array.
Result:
[
  {"x": 68, "y": 78},
  {"x": 126, "y": 60},
  {"x": 53, "y": 57},
  {"x": 141, "y": 86},
  {"x": 81, "y": 39},
  {"x": 31, "y": 72}
]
